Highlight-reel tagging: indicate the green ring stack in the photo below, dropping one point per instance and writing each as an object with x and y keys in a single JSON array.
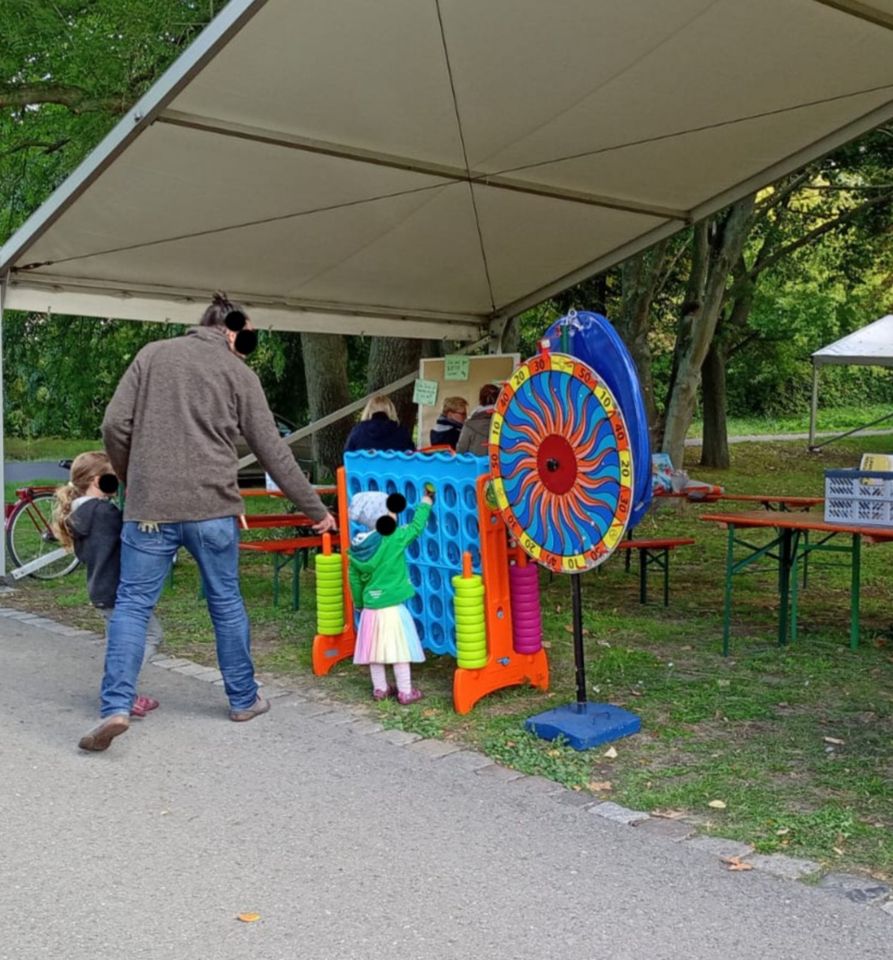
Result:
[
  {"x": 329, "y": 595},
  {"x": 471, "y": 628}
]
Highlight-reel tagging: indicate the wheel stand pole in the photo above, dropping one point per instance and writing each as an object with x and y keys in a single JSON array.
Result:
[{"x": 579, "y": 660}]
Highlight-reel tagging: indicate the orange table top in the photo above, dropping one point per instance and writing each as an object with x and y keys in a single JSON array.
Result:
[
  {"x": 260, "y": 521},
  {"x": 696, "y": 496},
  {"x": 795, "y": 521},
  {"x": 321, "y": 488}
]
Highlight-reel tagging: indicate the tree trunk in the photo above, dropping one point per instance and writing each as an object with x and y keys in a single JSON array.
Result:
[
  {"x": 716, "y": 247},
  {"x": 640, "y": 276},
  {"x": 389, "y": 359},
  {"x": 715, "y": 450},
  {"x": 325, "y": 372}
]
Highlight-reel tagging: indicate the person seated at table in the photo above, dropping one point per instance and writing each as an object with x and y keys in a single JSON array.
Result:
[
  {"x": 475, "y": 435},
  {"x": 448, "y": 426},
  {"x": 379, "y": 428}
]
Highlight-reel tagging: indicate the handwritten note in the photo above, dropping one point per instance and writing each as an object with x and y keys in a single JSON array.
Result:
[
  {"x": 455, "y": 367},
  {"x": 424, "y": 393}
]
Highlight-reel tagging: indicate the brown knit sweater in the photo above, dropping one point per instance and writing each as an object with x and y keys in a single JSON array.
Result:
[{"x": 171, "y": 428}]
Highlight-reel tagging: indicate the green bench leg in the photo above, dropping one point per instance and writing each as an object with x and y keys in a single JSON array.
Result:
[
  {"x": 727, "y": 601},
  {"x": 855, "y": 574}
]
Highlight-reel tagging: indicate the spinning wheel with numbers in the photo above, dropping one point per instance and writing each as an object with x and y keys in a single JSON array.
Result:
[{"x": 561, "y": 465}]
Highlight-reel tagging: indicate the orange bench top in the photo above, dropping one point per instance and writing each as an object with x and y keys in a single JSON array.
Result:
[
  {"x": 666, "y": 543},
  {"x": 289, "y": 545}
]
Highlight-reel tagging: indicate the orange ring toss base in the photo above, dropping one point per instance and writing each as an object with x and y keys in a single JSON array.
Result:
[
  {"x": 504, "y": 667},
  {"x": 327, "y": 651}
]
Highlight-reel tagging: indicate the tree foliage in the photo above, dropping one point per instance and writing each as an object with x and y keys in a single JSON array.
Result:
[{"x": 815, "y": 259}]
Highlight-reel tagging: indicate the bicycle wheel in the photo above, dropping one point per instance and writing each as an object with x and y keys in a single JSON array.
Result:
[{"x": 29, "y": 536}]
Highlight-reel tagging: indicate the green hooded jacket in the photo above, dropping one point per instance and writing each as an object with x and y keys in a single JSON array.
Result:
[{"x": 377, "y": 565}]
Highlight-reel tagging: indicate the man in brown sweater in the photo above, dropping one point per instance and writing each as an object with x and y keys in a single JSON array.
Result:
[{"x": 170, "y": 431}]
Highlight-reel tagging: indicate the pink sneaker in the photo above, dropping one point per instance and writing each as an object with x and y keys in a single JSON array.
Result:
[
  {"x": 404, "y": 699},
  {"x": 384, "y": 694}
]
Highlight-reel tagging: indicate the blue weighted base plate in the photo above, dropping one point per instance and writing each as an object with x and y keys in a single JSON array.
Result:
[{"x": 584, "y": 725}]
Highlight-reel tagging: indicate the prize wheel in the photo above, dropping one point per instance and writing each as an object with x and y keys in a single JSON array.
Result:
[{"x": 561, "y": 464}]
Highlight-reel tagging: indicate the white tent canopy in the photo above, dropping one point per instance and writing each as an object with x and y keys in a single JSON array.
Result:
[
  {"x": 429, "y": 168},
  {"x": 872, "y": 345}
]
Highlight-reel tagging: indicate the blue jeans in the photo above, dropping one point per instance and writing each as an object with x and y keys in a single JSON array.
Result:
[{"x": 146, "y": 557}]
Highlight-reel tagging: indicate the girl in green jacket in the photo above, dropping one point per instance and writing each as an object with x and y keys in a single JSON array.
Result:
[{"x": 379, "y": 583}]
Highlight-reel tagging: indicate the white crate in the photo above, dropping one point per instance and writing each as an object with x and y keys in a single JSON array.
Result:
[{"x": 864, "y": 497}]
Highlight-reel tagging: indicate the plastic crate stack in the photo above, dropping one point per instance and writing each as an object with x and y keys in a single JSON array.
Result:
[{"x": 863, "y": 497}]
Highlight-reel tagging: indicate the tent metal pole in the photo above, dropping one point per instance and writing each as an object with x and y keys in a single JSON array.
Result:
[
  {"x": 350, "y": 408},
  {"x": 815, "y": 403},
  {"x": 4, "y": 280}
]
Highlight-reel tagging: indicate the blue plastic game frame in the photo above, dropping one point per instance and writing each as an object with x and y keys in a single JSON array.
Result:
[{"x": 453, "y": 527}]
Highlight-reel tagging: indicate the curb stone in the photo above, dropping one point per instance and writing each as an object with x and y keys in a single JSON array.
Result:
[
  {"x": 170, "y": 663},
  {"x": 434, "y": 748},
  {"x": 613, "y": 811},
  {"x": 498, "y": 772},
  {"x": 675, "y": 830},
  {"x": 399, "y": 737},
  {"x": 721, "y": 847},
  {"x": 468, "y": 760},
  {"x": 780, "y": 865},
  {"x": 853, "y": 887},
  {"x": 364, "y": 727}
]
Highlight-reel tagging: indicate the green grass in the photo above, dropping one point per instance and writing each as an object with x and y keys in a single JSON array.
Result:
[
  {"x": 827, "y": 420},
  {"x": 46, "y": 448},
  {"x": 756, "y": 730}
]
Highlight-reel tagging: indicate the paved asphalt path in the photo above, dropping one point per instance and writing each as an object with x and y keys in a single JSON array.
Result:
[
  {"x": 27, "y": 471},
  {"x": 347, "y": 845}
]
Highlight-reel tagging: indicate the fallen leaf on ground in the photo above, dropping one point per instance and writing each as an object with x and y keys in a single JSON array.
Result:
[
  {"x": 610, "y": 753},
  {"x": 717, "y": 804},
  {"x": 248, "y": 917},
  {"x": 668, "y": 814},
  {"x": 736, "y": 863},
  {"x": 601, "y": 785}
]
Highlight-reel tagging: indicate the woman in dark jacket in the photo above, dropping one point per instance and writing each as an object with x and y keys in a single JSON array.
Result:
[
  {"x": 449, "y": 424},
  {"x": 378, "y": 428}
]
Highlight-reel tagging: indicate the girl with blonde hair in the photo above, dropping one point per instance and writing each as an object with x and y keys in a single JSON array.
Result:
[
  {"x": 87, "y": 521},
  {"x": 379, "y": 428}
]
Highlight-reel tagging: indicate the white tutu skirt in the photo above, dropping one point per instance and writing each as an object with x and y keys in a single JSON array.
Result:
[{"x": 387, "y": 635}]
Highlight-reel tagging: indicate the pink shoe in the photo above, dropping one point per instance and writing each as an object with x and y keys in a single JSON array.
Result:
[
  {"x": 142, "y": 705},
  {"x": 404, "y": 699},
  {"x": 384, "y": 694}
]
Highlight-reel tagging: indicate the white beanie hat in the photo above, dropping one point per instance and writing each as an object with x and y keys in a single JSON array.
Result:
[{"x": 368, "y": 506}]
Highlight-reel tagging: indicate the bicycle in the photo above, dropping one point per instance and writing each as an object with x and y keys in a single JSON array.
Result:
[{"x": 29, "y": 531}]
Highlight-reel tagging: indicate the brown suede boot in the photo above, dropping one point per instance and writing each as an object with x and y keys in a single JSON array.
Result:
[
  {"x": 100, "y": 737},
  {"x": 255, "y": 710}
]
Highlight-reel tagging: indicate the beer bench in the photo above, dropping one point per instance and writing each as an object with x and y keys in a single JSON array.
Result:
[
  {"x": 657, "y": 552},
  {"x": 293, "y": 550}
]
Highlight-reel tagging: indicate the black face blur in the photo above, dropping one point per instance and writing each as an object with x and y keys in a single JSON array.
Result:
[
  {"x": 108, "y": 483},
  {"x": 245, "y": 342}
]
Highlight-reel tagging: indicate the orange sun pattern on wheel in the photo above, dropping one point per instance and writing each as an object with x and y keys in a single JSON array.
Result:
[{"x": 560, "y": 460}]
